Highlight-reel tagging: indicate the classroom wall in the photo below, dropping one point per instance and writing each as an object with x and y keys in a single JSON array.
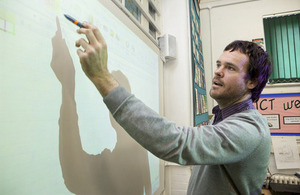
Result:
[
  {"x": 226, "y": 20},
  {"x": 218, "y": 29},
  {"x": 177, "y": 73},
  {"x": 222, "y": 21}
]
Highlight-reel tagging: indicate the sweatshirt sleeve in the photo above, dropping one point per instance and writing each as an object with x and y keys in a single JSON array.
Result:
[{"x": 229, "y": 141}]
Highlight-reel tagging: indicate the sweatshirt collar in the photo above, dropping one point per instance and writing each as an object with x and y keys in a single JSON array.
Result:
[{"x": 221, "y": 114}]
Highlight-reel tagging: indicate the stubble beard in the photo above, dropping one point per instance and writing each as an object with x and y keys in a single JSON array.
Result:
[{"x": 225, "y": 99}]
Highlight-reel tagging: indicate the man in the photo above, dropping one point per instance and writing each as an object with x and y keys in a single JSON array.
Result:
[{"x": 231, "y": 154}]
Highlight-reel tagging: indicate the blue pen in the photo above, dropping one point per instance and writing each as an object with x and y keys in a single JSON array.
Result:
[{"x": 73, "y": 20}]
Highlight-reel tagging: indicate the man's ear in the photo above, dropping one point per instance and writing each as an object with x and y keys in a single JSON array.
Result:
[{"x": 252, "y": 84}]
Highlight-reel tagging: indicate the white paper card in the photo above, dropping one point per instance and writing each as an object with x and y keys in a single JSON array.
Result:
[{"x": 286, "y": 152}]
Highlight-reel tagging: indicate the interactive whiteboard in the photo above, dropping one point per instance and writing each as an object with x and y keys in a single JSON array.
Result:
[{"x": 56, "y": 135}]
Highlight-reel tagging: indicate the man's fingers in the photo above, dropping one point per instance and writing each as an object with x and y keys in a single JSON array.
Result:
[
  {"x": 95, "y": 30},
  {"x": 88, "y": 31},
  {"x": 83, "y": 43},
  {"x": 98, "y": 35},
  {"x": 82, "y": 56},
  {"x": 80, "y": 52},
  {"x": 89, "y": 35}
]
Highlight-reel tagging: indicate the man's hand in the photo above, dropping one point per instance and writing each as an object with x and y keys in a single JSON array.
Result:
[{"x": 94, "y": 59}]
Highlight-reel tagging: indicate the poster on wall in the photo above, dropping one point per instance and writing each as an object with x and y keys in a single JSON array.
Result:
[
  {"x": 199, "y": 86},
  {"x": 260, "y": 42},
  {"x": 282, "y": 112}
]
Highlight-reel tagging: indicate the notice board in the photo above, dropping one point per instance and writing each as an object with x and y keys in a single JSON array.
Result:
[{"x": 282, "y": 112}]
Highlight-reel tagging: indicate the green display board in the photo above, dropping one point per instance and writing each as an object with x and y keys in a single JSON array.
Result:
[{"x": 199, "y": 86}]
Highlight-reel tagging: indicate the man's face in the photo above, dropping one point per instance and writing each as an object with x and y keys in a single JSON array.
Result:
[{"x": 229, "y": 85}]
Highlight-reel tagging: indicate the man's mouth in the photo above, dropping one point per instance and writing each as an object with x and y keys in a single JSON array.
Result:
[{"x": 217, "y": 83}]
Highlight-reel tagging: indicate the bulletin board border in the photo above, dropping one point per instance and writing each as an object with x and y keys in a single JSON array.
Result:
[
  {"x": 285, "y": 134},
  {"x": 282, "y": 95}
]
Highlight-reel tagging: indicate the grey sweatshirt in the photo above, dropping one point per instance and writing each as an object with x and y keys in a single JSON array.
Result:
[{"x": 230, "y": 157}]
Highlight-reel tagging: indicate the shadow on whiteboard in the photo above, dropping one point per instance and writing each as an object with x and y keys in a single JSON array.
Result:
[{"x": 125, "y": 170}]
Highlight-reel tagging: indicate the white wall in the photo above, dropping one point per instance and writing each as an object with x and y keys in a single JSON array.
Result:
[
  {"x": 222, "y": 21},
  {"x": 177, "y": 73}
]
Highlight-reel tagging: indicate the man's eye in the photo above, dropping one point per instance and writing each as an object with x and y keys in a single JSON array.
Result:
[{"x": 231, "y": 68}]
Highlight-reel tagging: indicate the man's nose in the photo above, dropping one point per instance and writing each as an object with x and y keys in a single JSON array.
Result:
[{"x": 219, "y": 71}]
